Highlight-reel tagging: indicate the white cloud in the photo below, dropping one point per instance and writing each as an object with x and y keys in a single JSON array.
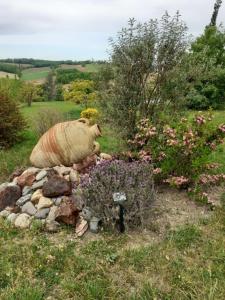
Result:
[{"x": 83, "y": 26}]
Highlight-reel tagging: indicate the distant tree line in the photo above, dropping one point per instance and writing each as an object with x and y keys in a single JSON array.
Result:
[
  {"x": 65, "y": 76},
  {"x": 9, "y": 68},
  {"x": 37, "y": 63}
]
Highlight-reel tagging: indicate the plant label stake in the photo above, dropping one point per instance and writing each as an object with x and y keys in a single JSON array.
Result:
[{"x": 120, "y": 198}]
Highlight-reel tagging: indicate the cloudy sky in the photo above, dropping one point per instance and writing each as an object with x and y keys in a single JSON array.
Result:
[{"x": 79, "y": 29}]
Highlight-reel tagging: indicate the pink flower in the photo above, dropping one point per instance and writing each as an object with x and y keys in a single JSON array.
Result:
[
  {"x": 222, "y": 128},
  {"x": 157, "y": 171}
]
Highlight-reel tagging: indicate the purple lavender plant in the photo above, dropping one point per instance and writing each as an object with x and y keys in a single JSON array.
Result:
[{"x": 135, "y": 179}]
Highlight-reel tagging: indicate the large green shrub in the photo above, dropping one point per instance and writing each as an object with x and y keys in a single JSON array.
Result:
[
  {"x": 11, "y": 120},
  {"x": 142, "y": 57}
]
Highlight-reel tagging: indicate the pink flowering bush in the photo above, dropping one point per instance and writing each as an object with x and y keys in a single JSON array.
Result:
[{"x": 179, "y": 151}]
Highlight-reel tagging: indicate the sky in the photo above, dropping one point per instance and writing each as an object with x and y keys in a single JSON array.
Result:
[{"x": 80, "y": 29}]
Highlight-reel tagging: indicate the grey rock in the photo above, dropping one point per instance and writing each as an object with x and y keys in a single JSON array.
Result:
[
  {"x": 26, "y": 190},
  {"x": 29, "y": 208},
  {"x": 4, "y": 213},
  {"x": 41, "y": 175},
  {"x": 12, "y": 218},
  {"x": 39, "y": 184},
  {"x": 52, "y": 213},
  {"x": 52, "y": 226},
  {"x": 57, "y": 201},
  {"x": 21, "y": 201},
  {"x": 42, "y": 213},
  {"x": 87, "y": 213},
  {"x": 23, "y": 221}
]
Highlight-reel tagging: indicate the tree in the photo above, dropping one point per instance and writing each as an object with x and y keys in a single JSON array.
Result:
[
  {"x": 49, "y": 87},
  {"x": 81, "y": 91},
  {"x": 12, "y": 122},
  {"x": 142, "y": 57},
  {"x": 215, "y": 12},
  {"x": 28, "y": 93}
]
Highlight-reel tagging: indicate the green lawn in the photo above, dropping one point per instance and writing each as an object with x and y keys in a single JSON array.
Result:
[
  {"x": 35, "y": 73},
  {"x": 189, "y": 263},
  {"x": 18, "y": 156}
]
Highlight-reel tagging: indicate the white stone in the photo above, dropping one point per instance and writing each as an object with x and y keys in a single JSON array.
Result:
[
  {"x": 105, "y": 156},
  {"x": 67, "y": 177},
  {"x": 36, "y": 196},
  {"x": 44, "y": 202},
  {"x": 15, "y": 179},
  {"x": 74, "y": 176},
  {"x": 41, "y": 175},
  {"x": 4, "y": 213},
  {"x": 23, "y": 221},
  {"x": 12, "y": 218},
  {"x": 31, "y": 170}
]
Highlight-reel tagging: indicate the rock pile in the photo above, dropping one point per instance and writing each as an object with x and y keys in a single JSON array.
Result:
[{"x": 43, "y": 194}]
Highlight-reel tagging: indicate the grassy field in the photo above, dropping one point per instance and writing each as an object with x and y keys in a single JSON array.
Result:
[
  {"x": 188, "y": 263},
  {"x": 18, "y": 156},
  {"x": 35, "y": 73}
]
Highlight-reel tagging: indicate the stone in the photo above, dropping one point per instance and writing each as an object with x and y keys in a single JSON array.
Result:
[
  {"x": 41, "y": 175},
  {"x": 23, "y": 221},
  {"x": 52, "y": 226},
  {"x": 15, "y": 180},
  {"x": 67, "y": 177},
  {"x": 42, "y": 213},
  {"x": 44, "y": 202},
  {"x": 33, "y": 170},
  {"x": 74, "y": 176},
  {"x": 56, "y": 186},
  {"x": 62, "y": 170},
  {"x": 57, "y": 201},
  {"x": 26, "y": 179},
  {"x": 36, "y": 196},
  {"x": 9, "y": 195},
  {"x": 4, "y": 213},
  {"x": 67, "y": 212},
  {"x": 3, "y": 186},
  {"x": 39, "y": 184},
  {"x": 81, "y": 227},
  {"x": 16, "y": 173},
  {"x": 94, "y": 222},
  {"x": 27, "y": 190},
  {"x": 23, "y": 200},
  {"x": 13, "y": 209},
  {"x": 105, "y": 156},
  {"x": 52, "y": 213},
  {"x": 87, "y": 213},
  {"x": 86, "y": 163},
  {"x": 12, "y": 217},
  {"x": 29, "y": 208}
]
